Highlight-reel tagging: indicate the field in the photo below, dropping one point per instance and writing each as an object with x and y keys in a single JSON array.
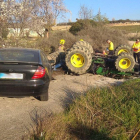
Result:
[
  {"x": 132, "y": 31},
  {"x": 129, "y": 28}
]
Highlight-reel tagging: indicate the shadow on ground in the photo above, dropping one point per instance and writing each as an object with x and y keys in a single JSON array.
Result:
[{"x": 82, "y": 132}]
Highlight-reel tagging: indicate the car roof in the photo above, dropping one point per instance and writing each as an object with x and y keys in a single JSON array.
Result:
[
  {"x": 29, "y": 50},
  {"x": 23, "y": 49}
]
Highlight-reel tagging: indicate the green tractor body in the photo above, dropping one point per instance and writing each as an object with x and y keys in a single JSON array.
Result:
[{"x": 106, "y": 66}]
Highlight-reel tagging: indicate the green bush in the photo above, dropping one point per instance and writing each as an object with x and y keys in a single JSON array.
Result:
[
  {"x": 76, "y": 27},
  {"x": 81, "y": 24}
]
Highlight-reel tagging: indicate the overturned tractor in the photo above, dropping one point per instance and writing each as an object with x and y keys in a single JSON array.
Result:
[{"x": 81, "y": 58}]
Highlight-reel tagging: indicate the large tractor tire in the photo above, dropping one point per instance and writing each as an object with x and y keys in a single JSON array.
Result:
[
  {"x": 85, "y": 44},
  {"x": 123, "y": 49},
  {"x": 125, "y": 62},
  {"x": 78, "y": 59},
  {"x": 54, "y": 57}
]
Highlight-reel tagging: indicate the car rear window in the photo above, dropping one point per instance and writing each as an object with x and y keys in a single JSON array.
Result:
[{"x": 18, "y": 55}]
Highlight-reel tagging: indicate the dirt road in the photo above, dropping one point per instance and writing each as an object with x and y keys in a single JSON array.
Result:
[{"x": 17, "y": 113}]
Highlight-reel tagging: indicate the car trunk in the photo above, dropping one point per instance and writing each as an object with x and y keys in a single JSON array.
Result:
[
  {"x": 17, "y": 70},
  {"x": 16, "y": 79}
]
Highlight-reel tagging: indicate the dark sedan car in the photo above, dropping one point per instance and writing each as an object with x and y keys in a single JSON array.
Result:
[{"x": 24, "y": 72}]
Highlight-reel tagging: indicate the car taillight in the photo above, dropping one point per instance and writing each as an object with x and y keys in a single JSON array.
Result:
[{"x": 40, "y": 72}]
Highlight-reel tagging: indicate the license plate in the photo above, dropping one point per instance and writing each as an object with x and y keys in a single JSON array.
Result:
[{"x": 11, "y": 76}]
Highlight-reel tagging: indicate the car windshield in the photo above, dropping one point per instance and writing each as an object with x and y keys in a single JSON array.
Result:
[{"x": 18, "y": 55}]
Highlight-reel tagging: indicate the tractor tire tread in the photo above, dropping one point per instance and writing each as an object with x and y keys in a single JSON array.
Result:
[
  {"x": 85, "y": 44},
  {"x": 81, "y": 50}
]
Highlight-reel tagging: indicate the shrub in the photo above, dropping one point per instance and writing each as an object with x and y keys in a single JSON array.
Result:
[
  {"x": 81, "y": 24},
  {"x": 98, "y": 35}
]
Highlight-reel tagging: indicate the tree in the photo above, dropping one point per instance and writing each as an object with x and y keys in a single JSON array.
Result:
[
  {"x": 85, "y": 13},
  {"x": 16, "y": 14},
  {"x": 32, "y": 14},
  {"x": 101, "y": 19}
]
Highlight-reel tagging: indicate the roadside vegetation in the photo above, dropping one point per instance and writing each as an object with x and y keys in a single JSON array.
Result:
[
  {"x": 88, "y": 27},
  {"x": 101, "y": 114},
  {"x": 93, "y": 32}
]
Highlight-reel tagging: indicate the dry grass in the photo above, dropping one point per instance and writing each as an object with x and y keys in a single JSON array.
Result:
[
  {"x": 97, "y": 37},
  {"x": 102, "y": 114}
]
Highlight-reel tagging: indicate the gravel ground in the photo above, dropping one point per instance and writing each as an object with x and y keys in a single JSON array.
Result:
[{"x": 17, "y": 114}]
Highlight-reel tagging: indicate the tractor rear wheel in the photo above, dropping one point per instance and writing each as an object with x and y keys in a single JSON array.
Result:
[
  {"x": 123, "y": 49},
  {"x": 85, "y": 44},
  {"x": 54, "y": 57},
  {"x": 78, "y": 59},
  {"x": 125, "y": 63}
]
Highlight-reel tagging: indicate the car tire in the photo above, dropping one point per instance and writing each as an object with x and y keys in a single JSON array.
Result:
[
  {"x": 54, "y": 57},
  {"x": 44, "y": 97}
]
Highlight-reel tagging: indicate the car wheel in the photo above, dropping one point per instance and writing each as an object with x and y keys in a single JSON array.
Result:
[{"x": 43, "y": 97}]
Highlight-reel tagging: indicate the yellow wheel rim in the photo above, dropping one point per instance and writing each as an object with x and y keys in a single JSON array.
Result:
[
  {"x": 77, "y": 60},
  {"x": 122, "y": 51},
  {"x": 124, "y": 63}
]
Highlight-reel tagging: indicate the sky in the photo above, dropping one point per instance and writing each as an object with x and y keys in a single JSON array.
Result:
[{"x": 117, "y": 9}]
